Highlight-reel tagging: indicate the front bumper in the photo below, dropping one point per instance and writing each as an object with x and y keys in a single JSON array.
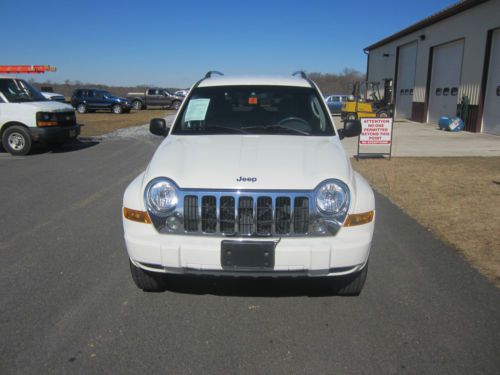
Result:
[
  {"x": 55, "y": 133},
  {"x": 345, "y": 253},
  {"x": 125, "y": 105}
]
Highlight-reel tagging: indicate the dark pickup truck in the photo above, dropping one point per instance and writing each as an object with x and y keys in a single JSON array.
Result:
[{"x": 154, "y": 97}]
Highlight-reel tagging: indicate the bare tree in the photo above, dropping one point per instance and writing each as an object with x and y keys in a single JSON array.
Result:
[{"x": 341, "y": 83}]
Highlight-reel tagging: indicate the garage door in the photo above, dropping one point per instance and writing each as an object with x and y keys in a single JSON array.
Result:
[
  {"x": 491, "y": 114},
  {"x": 406, "y": 79},
  {"x": 445, "y": 80}
]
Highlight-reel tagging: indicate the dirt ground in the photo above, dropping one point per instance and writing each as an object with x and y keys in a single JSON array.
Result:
[
  {"x": 99, "y": 123},
  {"x": 458, "y": 199}
]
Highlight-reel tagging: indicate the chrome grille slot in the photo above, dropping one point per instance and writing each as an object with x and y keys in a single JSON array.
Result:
[
  {"x": 191, "y": 213},
  {"x": 227, "y": 215},
  {"x": 245, "y": 215},
  {"x": 301, "y": 215},
  {"x": 264, "y": 215},
  {"x": 282, "y": 215},
  {"x": 208, "y": 214}
]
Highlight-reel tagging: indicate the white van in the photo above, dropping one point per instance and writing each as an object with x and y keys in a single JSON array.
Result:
[{"x": 26, "y": 116}]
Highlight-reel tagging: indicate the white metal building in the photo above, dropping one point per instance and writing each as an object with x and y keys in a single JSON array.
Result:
[{"x": 437, "y": 61}]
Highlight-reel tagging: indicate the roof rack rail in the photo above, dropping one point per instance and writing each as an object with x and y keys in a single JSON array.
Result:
[
  {"x": 302, "y": 74},
  {"x": 209, "y": 73}
]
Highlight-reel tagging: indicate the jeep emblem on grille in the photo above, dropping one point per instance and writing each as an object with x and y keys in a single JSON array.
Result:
[{"x": 246, "y": 179}]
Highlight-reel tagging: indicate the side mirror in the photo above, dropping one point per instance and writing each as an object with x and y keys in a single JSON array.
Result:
[
  {"x": 158, "y": 126},
  {"x": 352, "y": 128}
]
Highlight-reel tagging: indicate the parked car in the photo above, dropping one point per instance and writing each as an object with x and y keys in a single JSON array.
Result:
[
  {"x": 54, "y": 96},
  {"x": 335, "y": 101},
  {"x": 26, "y": 116},
  {"x": 154, "y": 97},
  {"x": 281, "y": 200},
  {"x": 182, "y": 93},
  {"x": 90, "y": 100}
]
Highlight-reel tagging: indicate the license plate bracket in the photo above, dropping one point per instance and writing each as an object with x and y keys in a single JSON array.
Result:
[{"x": 247, "y": 255}]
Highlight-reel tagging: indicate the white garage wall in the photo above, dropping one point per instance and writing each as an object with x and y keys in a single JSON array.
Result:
[{"x": 472, "y": 25}]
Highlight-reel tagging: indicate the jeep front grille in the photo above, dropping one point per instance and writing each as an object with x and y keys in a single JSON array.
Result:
[
  {"x": 246, "y": 215},
  {"x": 240, "y": 214}
]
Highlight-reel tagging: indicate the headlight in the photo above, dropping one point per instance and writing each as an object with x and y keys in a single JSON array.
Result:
[
  {"x": 332, "y": 197},
  {"x": 46, "y": 119},
  {"x": 161, "y": 196},
  {"x": 45, "y": 116}
]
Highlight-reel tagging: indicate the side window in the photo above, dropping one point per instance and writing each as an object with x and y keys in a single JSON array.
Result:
[
  {"x": 401, "y": 92},
  {"x": 454, "y": 91},
  {"x": 151, "y": 92},
  {"x": 98, "y": 95},
  {"x": 407, "y": 91},
  {"x": 446, "y": 91},
  {"x": 336, "y": 99},
  {"x": 344, "y": 98},
  {"x": 438, "y": 91},
  {"x": 411, "y": 91}
]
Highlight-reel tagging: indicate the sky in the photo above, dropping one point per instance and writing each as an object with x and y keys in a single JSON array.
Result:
[{"x": 174, "y": 43}]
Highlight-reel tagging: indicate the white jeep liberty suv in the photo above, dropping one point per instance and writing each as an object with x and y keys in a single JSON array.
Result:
[{"x": 251, "y": 180}]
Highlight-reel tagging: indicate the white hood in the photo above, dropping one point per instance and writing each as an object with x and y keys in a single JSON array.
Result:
[
  {"x": 48, "y": 106},
  {"x": 275, "y": 161}
]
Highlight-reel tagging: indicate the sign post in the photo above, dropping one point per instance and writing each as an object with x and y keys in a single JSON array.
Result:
[{"x": 375, "y": 138}]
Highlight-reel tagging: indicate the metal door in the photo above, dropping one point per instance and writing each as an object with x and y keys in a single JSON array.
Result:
[
  {"x": 491, "y": 114},
  {"x": 445, "y": 80},
  {"x": 406, "y": 80}
]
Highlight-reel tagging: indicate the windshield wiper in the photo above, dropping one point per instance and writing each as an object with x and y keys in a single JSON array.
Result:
[
  {"x": 276, "y": 127},
  {"x": 224, "y": 128},
  {"x": 21, "y": 99}
]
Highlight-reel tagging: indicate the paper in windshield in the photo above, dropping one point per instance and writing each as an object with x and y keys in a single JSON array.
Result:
[{"x": 196, "y": 110}]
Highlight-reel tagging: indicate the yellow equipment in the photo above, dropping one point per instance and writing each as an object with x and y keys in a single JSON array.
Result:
[
  {"x": 358, "y": 106},
  {"x": 352, "y": 110}
]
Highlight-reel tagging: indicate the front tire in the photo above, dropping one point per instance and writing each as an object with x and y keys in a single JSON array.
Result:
[
  {"x": 382, "y": 114},
  {"x": 147, "y": 281},
  {"x": 16, "y": 140},
  {"x": 117, "y": 109},
  {"x": 137, "y": 105},
  {"x": 350, "y": 285},
  {"x": 176, "y": 105},
  {"x": 81, "y": 108}
]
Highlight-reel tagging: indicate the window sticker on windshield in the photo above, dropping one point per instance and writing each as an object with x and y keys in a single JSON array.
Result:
[{"x": 196, "y": 110}]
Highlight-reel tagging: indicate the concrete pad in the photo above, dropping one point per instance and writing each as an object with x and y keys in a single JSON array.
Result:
[{"x": 418, "y": 139}]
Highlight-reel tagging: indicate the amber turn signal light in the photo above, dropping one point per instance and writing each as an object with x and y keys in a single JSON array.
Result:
[
  {"x": 42, "y": 124},
  {"x": 135, "y": 215},
  {"x": 359, "y": 219}
]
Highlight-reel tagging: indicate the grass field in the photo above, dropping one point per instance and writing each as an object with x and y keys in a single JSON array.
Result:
[
  {"x": 458, "y": 199},
  {"x": 99, "y": 123}
]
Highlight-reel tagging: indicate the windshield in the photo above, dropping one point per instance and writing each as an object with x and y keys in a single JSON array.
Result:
[
  {"x": 254, "y": 110},
  {"x": 18, "y": 91}
]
